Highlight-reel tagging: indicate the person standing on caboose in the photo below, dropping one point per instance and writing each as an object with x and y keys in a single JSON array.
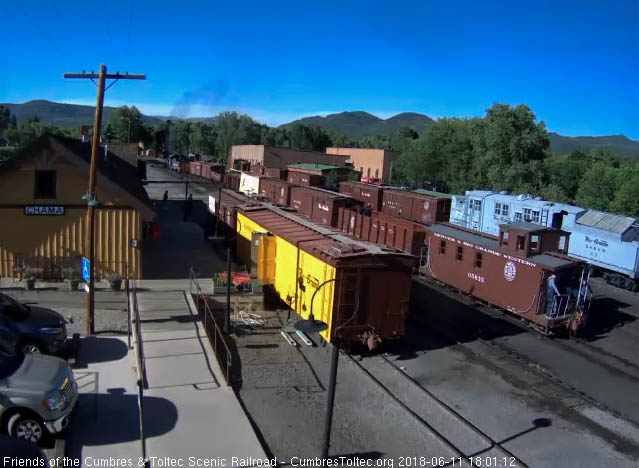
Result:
[{"x": 551, "y": 292}]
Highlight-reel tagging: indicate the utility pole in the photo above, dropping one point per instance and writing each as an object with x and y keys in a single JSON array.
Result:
[{"x": 93, "y": 184}]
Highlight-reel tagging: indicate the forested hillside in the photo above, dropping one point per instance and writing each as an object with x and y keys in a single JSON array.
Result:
[{"x": 507, "y": 149}]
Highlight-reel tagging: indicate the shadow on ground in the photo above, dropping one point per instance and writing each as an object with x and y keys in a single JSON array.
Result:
[{"x": 103, "y": 420}]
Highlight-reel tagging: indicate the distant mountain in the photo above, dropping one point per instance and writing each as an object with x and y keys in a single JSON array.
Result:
[
  {"x": 360, "y": 124},
  {"x": 619, "y": 144},
  {"x": 63, "y": 115},
  {"x": 356, "y": 124}
]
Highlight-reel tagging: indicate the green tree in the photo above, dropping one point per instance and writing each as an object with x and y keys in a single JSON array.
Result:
[
  {"x": 308, "y": 137},
  {"x": 598, "y": 187},
  {"x": 626, "y": 196},
  {"x": 126, "y": 123},
  {"x": 5, "y": 119}
]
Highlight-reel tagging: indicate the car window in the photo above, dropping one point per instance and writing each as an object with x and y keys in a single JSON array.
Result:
[{"x": 13, "y": 309}]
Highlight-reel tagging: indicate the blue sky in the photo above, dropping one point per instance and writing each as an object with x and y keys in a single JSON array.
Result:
[{"x": 576, "y": 64}]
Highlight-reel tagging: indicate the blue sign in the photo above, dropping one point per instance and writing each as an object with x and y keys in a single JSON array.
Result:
[{"x": 86, "y": 269}]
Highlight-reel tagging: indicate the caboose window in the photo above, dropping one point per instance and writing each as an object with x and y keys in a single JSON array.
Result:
[
  {"x": 534, "y": 242},
  {"x": 505, "y": 235},
  {"x": 478, "y": 259},
  {"x": 521, "y": 241},
  {"x": 460, "y": 254},
  {"x": 442, "y": 247},
  {"x": 562, "y": 244}
]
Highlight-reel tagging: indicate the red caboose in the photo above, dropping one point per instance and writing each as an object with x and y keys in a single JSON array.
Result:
[{"x": 525, "y": 271}]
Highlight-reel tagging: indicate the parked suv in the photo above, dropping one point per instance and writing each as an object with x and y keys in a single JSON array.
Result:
[
  {"x": 30, "y": 329},
  {"x": 37, "y": 395}
]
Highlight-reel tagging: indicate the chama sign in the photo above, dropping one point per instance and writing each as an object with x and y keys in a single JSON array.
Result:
[{"x": 44, "y": 210}]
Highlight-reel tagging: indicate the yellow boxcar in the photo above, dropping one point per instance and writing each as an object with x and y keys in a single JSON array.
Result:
[{"x": 367, "y": 288}]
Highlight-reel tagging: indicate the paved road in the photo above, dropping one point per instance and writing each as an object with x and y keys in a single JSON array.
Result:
[{"x": 182, "y": 245}]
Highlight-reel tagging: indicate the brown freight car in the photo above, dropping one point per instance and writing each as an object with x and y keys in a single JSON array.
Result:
[
  {"x": 276, "y": 173},
  {"x": 360, "y": 290},
  {"x": 226, "y": 206},
  {"x": 195, "y": 168},
  {"x": 320, "y": 205},
  {"x": 232, "y": 180},
  {"x": 521, "y": 271},
  {"x": 184, "y": 167},
  {"x": 277, "y": 191},
  {"x": 369, "y": 194},
  {"x": 426, "y": 208},
  {"x": 303, "y": 178},
  {"x": 383, "y": 229}
]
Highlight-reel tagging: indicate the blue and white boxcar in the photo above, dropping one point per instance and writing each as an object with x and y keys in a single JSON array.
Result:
[
  {"x": 484, "y": 211},
  {"x": 603, "y": 239}
]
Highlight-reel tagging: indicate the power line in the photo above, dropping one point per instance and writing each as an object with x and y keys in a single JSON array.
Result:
[
  {"x": 108, "y": 23},
  {"x": 130, "y": 24},
  {"x": 46, "y": 38}
]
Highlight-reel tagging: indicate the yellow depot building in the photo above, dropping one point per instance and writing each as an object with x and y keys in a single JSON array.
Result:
[{"x": 43, "y": 213}]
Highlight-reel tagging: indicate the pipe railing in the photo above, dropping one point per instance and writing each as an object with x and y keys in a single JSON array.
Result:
[
  {"x": 208, "y": 317},
  {"x": 141, "y": 364}
]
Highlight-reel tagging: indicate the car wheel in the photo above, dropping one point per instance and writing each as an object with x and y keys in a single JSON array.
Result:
[
  {"x": 31, "y": 347},
  {"x": 27, "y": 427}
]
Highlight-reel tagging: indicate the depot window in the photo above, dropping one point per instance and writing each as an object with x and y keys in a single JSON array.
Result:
[
  {"x": 442, "y": 247},
  {"x": 460, "y": 254},
  {"x": 497, "y": 208},
  {"x": 517, "y": 217},
  {"x": 44, "y": 184},
  {"x": 504, "y": 209},
  {"x": 478, "y": 259}
]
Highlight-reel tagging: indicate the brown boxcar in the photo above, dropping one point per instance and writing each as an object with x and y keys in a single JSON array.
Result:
[
  {"x": 512, "y": 272},
  {"x": 195, "y": 168},
  {"x": 225, "y": 208},
  {"x": 277, "y": 191},
  {"x": 383, "y": 229},
  {"x": 303, "y": 178},
  {"x": 216, "y": 172},
  {"x": 369, "y": 194},
  {"x": 420, "y": 207},
  {"x": 232, "y": 180},
  {"x": 184, "y": 167},
  {"x": 205, "y": 170},
  {"x": 276, "y": 173},
  {"x": 256, "y": 169},
  {"x": 360, "y": 290},
  {"x": 320, "y": 205}
]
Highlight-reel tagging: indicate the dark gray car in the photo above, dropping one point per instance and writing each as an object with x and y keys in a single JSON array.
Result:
[{"x": 30, "y": 329}]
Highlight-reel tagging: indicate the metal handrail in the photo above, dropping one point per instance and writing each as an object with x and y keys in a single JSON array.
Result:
[
  {"x": 141, "y": 365},
  {"x": 138, "y": 338},
  {"x": 193, "y": 281}
]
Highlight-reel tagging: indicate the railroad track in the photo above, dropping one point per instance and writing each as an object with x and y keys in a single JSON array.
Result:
[
  {"x": 601, "y": 357},
  {"x": 543, "y": 383},
  {"x": 485, "y": 446}
]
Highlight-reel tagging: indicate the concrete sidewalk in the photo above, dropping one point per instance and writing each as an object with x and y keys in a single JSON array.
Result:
[
  {"x": 183, "y": 370},
  {"x": 189, "y": 411}
]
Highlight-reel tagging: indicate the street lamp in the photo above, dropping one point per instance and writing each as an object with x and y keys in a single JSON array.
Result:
[
  {"x": 227, "y": 317},
  {"x": 311, "y": 325},
  {"x": 128, "y": 134}
]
